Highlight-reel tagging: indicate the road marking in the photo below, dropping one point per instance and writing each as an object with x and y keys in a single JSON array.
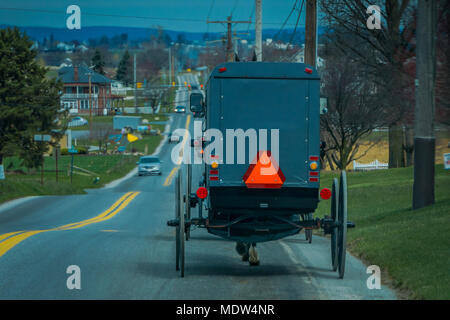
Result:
[
  {"x": 302, "y": 268},
  {"x": 11, "y": 239},
  {"x": 169, "y": 178}
]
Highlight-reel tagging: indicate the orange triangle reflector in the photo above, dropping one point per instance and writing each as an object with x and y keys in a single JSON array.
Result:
[{"x": 265, "y": 173}]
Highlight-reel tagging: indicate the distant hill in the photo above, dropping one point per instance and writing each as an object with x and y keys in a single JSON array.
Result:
[{"x": 139, "y": 34}]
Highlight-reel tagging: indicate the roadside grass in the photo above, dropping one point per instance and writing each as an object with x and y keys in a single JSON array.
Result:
[
  {"x": 21, "y": 183},
  {"x": 410, "y": 247}
]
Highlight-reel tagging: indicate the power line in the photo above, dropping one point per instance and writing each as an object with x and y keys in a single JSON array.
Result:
[
  {"x": 251, "y": 17},
  {"x": 234, "y": 7},
  {"x": 296, "y": 24},
  {"x": 286, "y": 20},
  {"x": 122, "y": 16}
]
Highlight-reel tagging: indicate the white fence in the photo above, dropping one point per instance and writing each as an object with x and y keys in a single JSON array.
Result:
[{"x": 374, "y": 165}]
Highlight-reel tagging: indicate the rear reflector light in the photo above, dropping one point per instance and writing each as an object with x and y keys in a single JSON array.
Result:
[
  {"x": 308, "y": 70},
  {"x": 325, "y": 193},
  {"x": 213, "y": 171},
  {"x": 314, "y": 158},
  {"x": 314, "y": 173},
  {"x": 215, "y": 178},
  {"x": 222, "y": 69},
  {"x": 313, "y": 179},
  {"x": 202, "y": 192}
]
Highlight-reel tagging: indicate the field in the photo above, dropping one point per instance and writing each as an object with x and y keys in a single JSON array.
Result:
[
  {"x": 380, "y": 151},
  {"x": 411, "y": 247}
]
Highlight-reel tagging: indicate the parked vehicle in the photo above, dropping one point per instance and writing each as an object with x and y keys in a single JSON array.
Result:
[
  {"x": 77, "y": 122},
  {"x": 149, "y": 165}
]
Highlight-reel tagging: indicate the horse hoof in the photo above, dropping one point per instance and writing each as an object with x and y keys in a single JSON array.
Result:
[
  {"x": 245, "y": 257},
  {"x": 253, "y": 256}
]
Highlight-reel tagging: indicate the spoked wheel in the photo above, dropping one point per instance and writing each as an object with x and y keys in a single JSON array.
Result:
[
  {"x": 334, "y": 210},
  {"x": 308, "y": 232},
  {"x": 182, "y": 235},
  {"x": 187, "y": 202},
  {"x": 342, "y": 219},
  {"x": 179, "y": 214},
  {"x": 177, "y": 217}
]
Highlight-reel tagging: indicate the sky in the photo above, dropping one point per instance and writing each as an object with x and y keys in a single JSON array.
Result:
[{"x": 180, "y": 15}]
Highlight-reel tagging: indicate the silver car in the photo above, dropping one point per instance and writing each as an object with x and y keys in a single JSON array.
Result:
[{"x": 149, "y": 165}]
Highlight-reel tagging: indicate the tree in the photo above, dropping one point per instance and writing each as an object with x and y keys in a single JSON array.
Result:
[
  {"x": 154, "y": 96},
  {"x": 29, "y": 102},
  {"x": 98, "y": 63},
  {"x": 352, "y": 109},
  {"x": 124, "y": 68},
  {"x": 101, "y": 131},
  {"x": 390, "y": 47}
]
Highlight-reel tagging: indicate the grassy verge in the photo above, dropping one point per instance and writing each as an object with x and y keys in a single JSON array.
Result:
[
  {"x": 411, "y": 247},
  {"x": 107, "y": 167}
]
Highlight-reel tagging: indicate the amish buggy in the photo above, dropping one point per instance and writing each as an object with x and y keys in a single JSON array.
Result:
[{"x": 274, "y": 194}]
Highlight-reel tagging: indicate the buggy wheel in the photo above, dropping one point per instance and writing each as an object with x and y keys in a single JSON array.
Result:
[
  {"x": 187, "y": 202},
  {"x": 334, "y": 231},
  {"x": 181, "y": 238},
  {"x": 177, "y": 217},
  {"x": 342, "y": 229}
]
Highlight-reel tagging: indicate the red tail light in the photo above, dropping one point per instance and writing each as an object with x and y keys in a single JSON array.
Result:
[
  {"x": 213, "y": 178},
  {"x": 308, "y": 70},
  {"x": 223, "y": 69},
  {"x": 325, "y": 193},
  {"x": 202, "y": 192}
]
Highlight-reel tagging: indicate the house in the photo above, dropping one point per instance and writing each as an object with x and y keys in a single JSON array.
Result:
[
  {"x": 299, "y": 57},
  {"x": 76, "y": 97}
]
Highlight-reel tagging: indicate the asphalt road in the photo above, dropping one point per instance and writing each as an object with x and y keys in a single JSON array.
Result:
[{"x": 119, "y": 239}]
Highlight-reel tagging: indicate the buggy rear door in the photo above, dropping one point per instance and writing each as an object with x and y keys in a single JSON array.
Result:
[{"x": 282, "y": 104}]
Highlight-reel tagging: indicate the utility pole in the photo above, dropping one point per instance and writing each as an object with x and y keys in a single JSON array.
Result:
[
  {"x": 424, "y": 140},
  {"x": 170, "y": 67},
  {"x": 258, "y": 30},
  {"x": 135, "y": 86},
  {"x": 90, "y": 102},
  {"x": 230, "y": 52},
  {"x": 310, "y": 32}
]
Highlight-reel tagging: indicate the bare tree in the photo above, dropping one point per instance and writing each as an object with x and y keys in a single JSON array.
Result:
[
  {"x": 100, "y": 132},
  {"x": 353, "y": 112},
  {"x": 389, "y": 47}
]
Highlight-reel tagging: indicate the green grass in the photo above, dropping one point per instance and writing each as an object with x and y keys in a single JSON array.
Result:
[
  {"x": 412, "y": 248},
  {"x": 107, "y": 167}
]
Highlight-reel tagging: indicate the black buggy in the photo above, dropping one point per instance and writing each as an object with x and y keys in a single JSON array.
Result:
[{"x": 240, "y": 201}]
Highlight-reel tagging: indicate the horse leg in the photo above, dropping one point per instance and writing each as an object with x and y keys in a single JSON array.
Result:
[
  {"x": 253, "y": 256},
  {"x": 242, "y": 249}
]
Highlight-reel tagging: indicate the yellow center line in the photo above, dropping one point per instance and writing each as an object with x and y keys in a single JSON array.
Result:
[
  {"x": 169, "y": 178},
  {"x": 16, "y": 237}
]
